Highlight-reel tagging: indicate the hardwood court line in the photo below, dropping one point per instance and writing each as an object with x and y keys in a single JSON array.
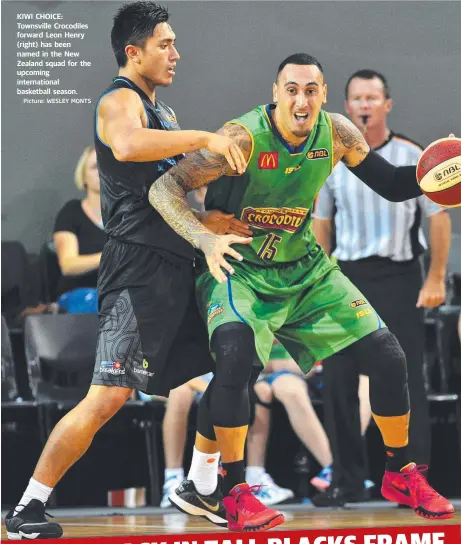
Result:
[{"x": 137, "y": 526}]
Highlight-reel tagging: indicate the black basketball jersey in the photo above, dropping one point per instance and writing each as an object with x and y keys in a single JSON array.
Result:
[{"x": 126, "y": 212}]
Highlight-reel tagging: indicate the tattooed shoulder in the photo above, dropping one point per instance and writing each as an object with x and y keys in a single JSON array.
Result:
[{"x": 348, "y": 142}]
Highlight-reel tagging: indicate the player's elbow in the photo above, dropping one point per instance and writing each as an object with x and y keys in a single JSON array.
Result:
[
  {"x": 392, "y": 197},
  {"x": 123, "y": 150},
  {"x": 391, "y": 192},
  {"x": 67, "y": 267}
]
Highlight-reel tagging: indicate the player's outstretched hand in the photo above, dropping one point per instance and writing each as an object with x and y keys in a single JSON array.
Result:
[
  {"x": 224, "y": 223},
  {"x": 214, "y": 249},
  {"x": 223, "y": 145}
]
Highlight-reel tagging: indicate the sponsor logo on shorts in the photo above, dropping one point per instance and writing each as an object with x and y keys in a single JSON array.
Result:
[
  {"x": 363, "y": 313},
  {"x": 358, "y": 302},
  {"x": 287, "y": 219},
  {"x": 214, "y": 309},
  {"x": 111, "y": 367},
  {"x": 143, "y": 370},
  {"x": 318, "y": 154}
]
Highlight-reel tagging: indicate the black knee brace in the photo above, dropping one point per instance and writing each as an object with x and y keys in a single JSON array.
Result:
[
  {"x": 234, "y": 347},
  {"x": 205, "y": 420},
  {"x": 385, "y": 359}
]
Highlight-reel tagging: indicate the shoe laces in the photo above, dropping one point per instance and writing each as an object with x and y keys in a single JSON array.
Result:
[
  {"x": 247, "y": 499},
  {"x": 417, "y": 481}
]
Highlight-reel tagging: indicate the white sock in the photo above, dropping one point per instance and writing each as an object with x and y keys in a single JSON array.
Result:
[
  {"x": 35, "y": 490},
  {"x": 177, "y": 473},
  {"x": 254, "y": 474},
  {"x": 204, "y": 471}
]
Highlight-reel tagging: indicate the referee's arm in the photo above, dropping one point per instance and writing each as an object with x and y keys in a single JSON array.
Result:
[
  {"x": 322, "y": 224},
  {"x": 433, "y": 292}
]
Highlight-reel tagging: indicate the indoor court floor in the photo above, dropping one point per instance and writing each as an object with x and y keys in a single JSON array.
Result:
[{"x": 88, "y": 522}]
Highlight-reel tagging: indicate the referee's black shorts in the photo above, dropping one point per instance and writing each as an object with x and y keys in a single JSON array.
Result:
[{"x": 151, "y": 335}]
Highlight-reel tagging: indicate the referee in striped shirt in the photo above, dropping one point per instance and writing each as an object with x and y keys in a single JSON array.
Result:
[{"x": 377, "y": 246}]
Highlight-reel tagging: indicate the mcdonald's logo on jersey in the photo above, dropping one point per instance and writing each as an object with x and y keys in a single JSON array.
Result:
[{"x": 268, "y": 160}]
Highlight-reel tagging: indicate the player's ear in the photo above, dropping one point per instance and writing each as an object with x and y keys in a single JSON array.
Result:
[
  {"x": 274, "y": 93},
  {"x": 132, "y": 52},
  {"x": 325, "y": 93},
  {"x": 388, "y": 105}
]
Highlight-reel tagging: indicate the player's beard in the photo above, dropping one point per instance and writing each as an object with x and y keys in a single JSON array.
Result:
[{"x": 302, "y": 133}]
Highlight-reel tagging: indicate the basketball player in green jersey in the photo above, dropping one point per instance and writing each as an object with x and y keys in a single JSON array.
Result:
[{"x": 282, "y": 284}]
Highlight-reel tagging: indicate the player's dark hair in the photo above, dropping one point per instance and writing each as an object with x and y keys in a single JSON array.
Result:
[
  {"x": 133, "y": 24},
  {"x": 369, "y": 74},
  {"x": 300, "y": 59}
]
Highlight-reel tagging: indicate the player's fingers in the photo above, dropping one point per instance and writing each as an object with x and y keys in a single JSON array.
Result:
[
  {"x": 238, "y": 231},
  {"x": 238, "y": 240},
  {"x": 240, "y": 223},
  {"x": 215, "y": 271},
  {"x": 234, "y": 254},
  {"x": 239, "y": 158},
  {"x": 239, "y": 228},
  {"x": 229, "y": 159},
  {"x": 227, "y": 266}
]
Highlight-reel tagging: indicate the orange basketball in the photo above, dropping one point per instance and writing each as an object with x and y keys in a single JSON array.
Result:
[{"x": 439, "y": 172}]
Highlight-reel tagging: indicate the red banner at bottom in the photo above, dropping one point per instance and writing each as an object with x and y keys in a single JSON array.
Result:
[{"x": 440, "y": 534}]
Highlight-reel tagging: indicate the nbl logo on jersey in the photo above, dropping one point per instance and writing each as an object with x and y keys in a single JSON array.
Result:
[
  {"x": 318, "y": 154},
  {"x": 268, "y": 160}
]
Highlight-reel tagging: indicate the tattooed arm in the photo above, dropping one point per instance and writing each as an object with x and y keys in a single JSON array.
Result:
[
  {"x": 392, "y": 183},
  {"x": 349, "y": 145},
  {"x": 168, "y": 196}
]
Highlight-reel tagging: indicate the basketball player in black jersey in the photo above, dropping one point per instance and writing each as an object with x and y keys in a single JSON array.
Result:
[{"x": 151, "y": 336}]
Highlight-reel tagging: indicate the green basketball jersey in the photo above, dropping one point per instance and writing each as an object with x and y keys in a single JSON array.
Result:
[{"x": 276, "y": 194}]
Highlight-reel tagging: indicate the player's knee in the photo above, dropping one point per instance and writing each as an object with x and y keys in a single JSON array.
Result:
[
  {"x": 289, "y": 388},
  {"x": 105, "y": 401},
  {"x": 180, "y": 398},
  {"x": 264, "y": 392},
  {"x": 385, "y": 355},
  {"x": 388, "y": 373},
  {"x": 234, "y": 347}
]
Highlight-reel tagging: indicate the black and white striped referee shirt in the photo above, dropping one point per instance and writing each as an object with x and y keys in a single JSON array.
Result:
[{"x": 368, "y": 225}]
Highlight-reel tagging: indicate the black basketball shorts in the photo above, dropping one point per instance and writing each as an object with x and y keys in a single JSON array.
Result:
[{"x": 151, "y": 335}]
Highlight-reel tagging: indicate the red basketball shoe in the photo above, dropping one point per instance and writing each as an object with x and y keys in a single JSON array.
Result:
[
  {"x": 246, "y": 513},
  {"x": 410, "y": 487}
]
